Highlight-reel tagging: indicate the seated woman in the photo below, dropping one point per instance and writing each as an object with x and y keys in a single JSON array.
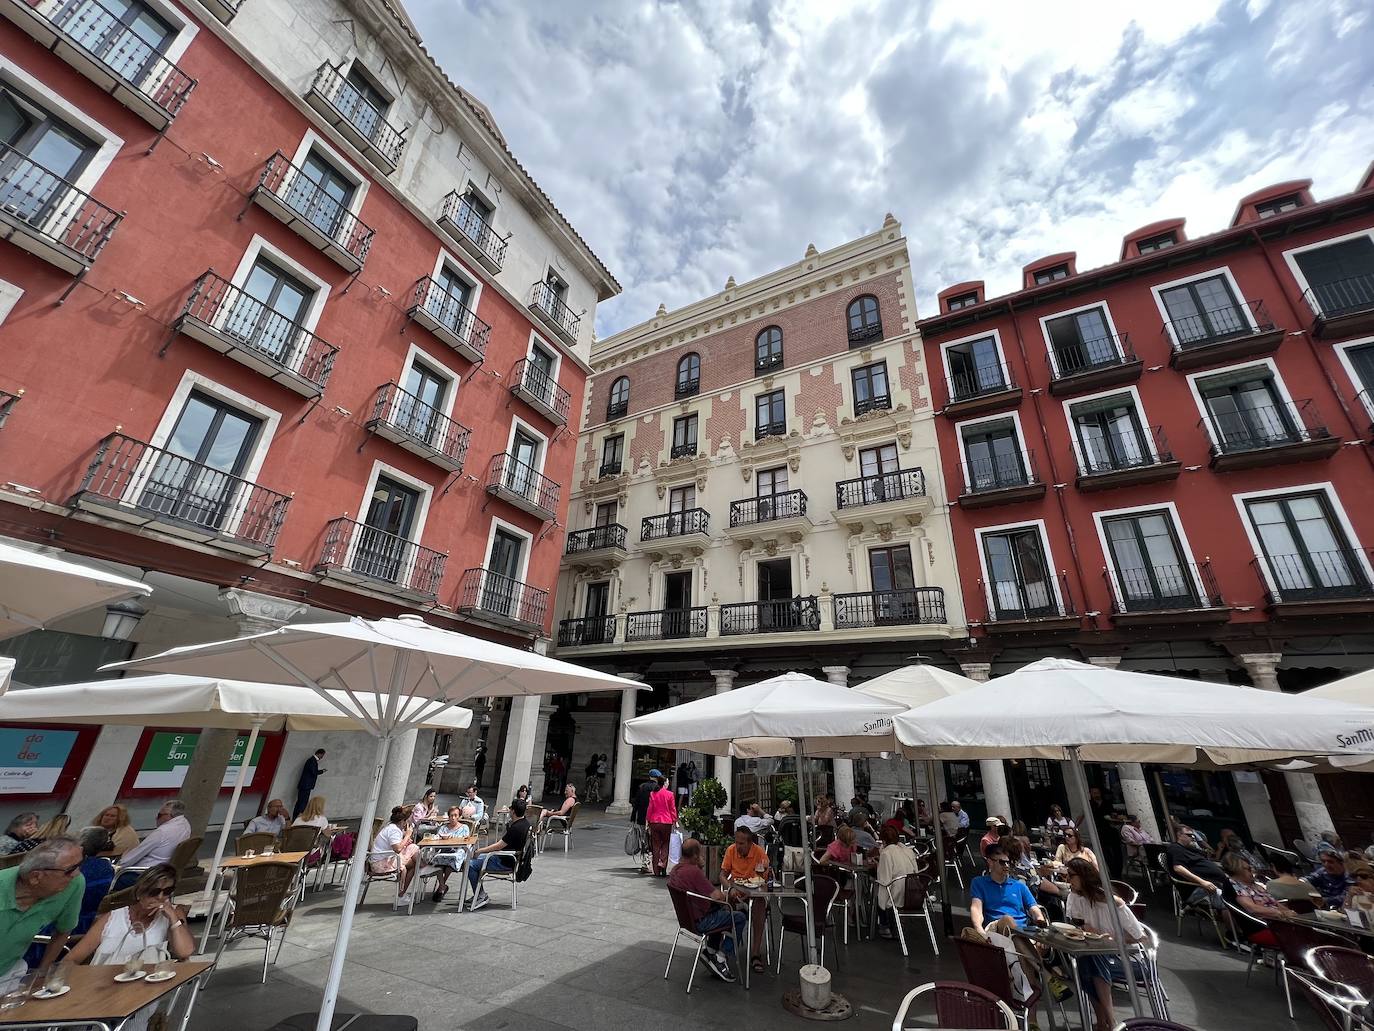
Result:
[
  {"x": 98, "y": 871},
  {"x": 115, "y": 819},
  {"x": 394, "y": 851},
  {"x": 842, "y": 850},
  {"x": 824, "y": 820},
  {"x": 426, "y": 810},
  {"x": 1286, "y": 885},
  {"x": 569, "y": 800},
  {"x": 150, "y": 921},
  {"x": 1088, "y": 901},
  {"x": 1229, "y": 842},
  {"x": 313, "y": 814},
  {"x": 1253, "y": 900},
  {"x": 895, "y": 863},
  {"x": 448, "y": 859},
  {"x": 522, "y": 794},
  {"x": 1361, "y": 893},
  {"x": 1073, "y": 848},
  {"x": 1057, "y": 823},
  {"x": 785, "y": 810}
]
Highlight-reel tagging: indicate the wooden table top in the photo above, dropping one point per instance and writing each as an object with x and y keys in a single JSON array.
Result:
[
  {"x": 238, "y": 862},
  {"x": 96, "y": 995},
  {"x": 1341, "y": 926},
  {"x": 471, "y": 839}
]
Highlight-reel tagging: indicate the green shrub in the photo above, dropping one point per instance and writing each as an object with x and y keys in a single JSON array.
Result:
[{"x": 699, "y": 818}]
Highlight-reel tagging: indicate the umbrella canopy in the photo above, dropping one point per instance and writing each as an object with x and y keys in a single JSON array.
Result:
[
  {"x": 1055, "y": 707},
  {"x": 38, "y": 589},
  {"x": 917, "y": 685},
  {"x": 1357, "y": 689}
]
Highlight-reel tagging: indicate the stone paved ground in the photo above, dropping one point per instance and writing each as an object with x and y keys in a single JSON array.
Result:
[{"x": 586, "y": 947}]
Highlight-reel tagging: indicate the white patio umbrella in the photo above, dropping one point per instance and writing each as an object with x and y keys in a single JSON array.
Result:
[
  {"x": 37, "y": 589},
  {"x": 811, "y": 714},
  {"x": 1358, "y": 689},
  {"x": 413, "y": 670},
  {"x": 1076, "y": 712}
]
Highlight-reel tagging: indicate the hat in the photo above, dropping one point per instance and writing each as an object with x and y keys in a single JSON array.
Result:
[
  {"x": 655, "y": 773},
  {"x": 992, "y": 821}
]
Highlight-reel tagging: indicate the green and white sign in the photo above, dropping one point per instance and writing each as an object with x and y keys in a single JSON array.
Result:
[{"x": 169, "y": 756}]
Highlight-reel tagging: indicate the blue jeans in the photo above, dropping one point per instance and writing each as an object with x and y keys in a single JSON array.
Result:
[
  {"x": 494, "y": 863},
  {"x": 718, "y": 921}
]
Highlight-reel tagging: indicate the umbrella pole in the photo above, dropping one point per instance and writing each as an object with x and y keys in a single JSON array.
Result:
[
  {"x": 352, "y": 889},
  {"x": 208, "y": 895},
  {"x": 1166, "y": 827},
  {"x": 946, "y": 915},
  {"x": 806, "y": 855},
  {"x": 1080, "y": 789}
]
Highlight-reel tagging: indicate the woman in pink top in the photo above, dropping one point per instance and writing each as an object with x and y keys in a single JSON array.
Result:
[
  {"x": 842, "y": 849},
  {"x": 662, "y": 815}
]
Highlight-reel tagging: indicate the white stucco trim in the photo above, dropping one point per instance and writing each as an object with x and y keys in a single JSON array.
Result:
[
  {"x": 945, "y": 346},
  {"x": 1045, "y": 320},
  {"x": 1070, "y": 402},
  {"x": 1099, "y": 518},
  {"x": 312, "y": 140},
  {"x": 39, "y": 93},
  {"x": 498, "y": 523},
  {"x": 260, "y": 246},
  {"x": 1039, "y": 526},
  {"x": 960, "y": 427},
  {"x": 1364, "y": 394},
  {"x": 414, "y": 353},
  {"x": 1258, "y": 363}
]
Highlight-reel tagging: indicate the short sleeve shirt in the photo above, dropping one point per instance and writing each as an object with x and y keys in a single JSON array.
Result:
[
  {"x": 690, "y": 877},
  {"x": 516, "y": 835},
  {"x": 387, "y": 838},
  {"x": 742, "y": 868},
  {"x": 1011, "y": 898},
  {"x": 17, "y": 927}
]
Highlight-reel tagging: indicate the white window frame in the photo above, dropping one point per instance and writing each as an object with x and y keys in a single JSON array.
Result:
[
  {"x": 517, "y": 423},
  {"x": 1024, "y": 524},
  {"x": 1343, "y": 357},
  {"x": 498, "y": 523},
  {"x": 1070, "y": 402},
  {"x": 1224, "y": 272},
  {"x": 537, "y": 340},
  {"x": 1290, "y": 256},
  {"x": 1194, "y": 571},
  {"x": 695, "y": 567},
  {"x": 108, "y": 145},
  {"x": 1267, "y": 363},
  {"x": 959, "y": 427},
  {"x": 455, "y": 265},
  {"x": 186, "y": 28},
  {"x": 469, "y": 182},
  {"x": 1045, "y": 320},
  {"x": 624, "y": 448},
  {"x": 751, "y": 568},
  {"x": 945, "y": 345},
  {"x": 312, "y": 140},
  {"x": 416, "y": 353},
  {"x": 356, "y": 61},
  {"x": 260, "y": 247},
  {"x": 1333, "y": 500},
  {"x": 582, "y": 588}
]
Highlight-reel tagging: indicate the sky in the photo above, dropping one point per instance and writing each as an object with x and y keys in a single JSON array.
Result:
[{"x": 690, "y": 142}]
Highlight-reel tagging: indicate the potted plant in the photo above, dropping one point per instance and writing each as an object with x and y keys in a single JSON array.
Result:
[{"x": 699, "y": 820}]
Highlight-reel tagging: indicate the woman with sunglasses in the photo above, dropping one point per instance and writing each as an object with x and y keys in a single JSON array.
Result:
[
  {"x": 149, "y": 921},
  {"x": 1073, "y": 848},
  {"x": 1361, "y": 893},
  {"x": 1087, "y": 906}
]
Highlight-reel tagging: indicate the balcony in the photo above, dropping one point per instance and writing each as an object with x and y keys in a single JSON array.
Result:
[
  {"x": 781, "y": 615},
  {"x": 666, "y": 624},
  {"x": 1165, "y": 595},
  {"x": 770, "y": 429},
  {"x": 610, "y": 469},
  {"x": 607, "y": 541},
  {"x": 1222, "y": 334},
  {"x": 1102, "y": 362},
  {"x": 462, "y": 221},
  {"x": 589, "y": 630},
  {"x": 1342, "y": 308},
  {"x": 343, "y": 106},
  {"x": 371, "y": 557},
  {"x": 767, "y": 362},
  {"x": 616, "y": 410},
  {"x": 1120, "y": 460},
  {"x": 691, "y": 528},
  {"x": 224, "y": 10},
  {"x": 550, "y": 309},
  {"x": 287, "y": 194},
  {"x": 94, "y": 40},
  {"x": 1290, "y": 431},
  {"x": 687, "y": 388},
  {"x": 772, "y": 514},
  {"x": 523, "y": 486},
  {"x": 687, "y": 450},
  {"x": 449, "y": 319},
  {"x": 875, "y": 403},
  {"x": 143, "y": 485},
  {"x": 44, "y": 214},
  {"x": 227, "y": 320},
  {"x": 1001, "y": 480},
  {"x": 899, "y": 492},
  {"x": 1019, "y": 606},
  {"x": 911, "y": 606},
  {"x": 868, "y": 334},
  {"x": 493, "y": 598},
  {"x": 540, "y": 391},
  {"x": 1317, "y": 583},
  {"x": 8, "y": 400},
  {"x": 988, "y": 388},
  {"x": 403, "y": 419}
]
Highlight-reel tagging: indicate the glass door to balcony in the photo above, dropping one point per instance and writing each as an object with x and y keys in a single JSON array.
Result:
[
  {"x": 1203, "y": 310},
  {"x": 539, "y": 379},
  {"x": 975, "y": 368},
  {"x": 501, "y": 585},
  {"x": 1081, "y": 341},
  {"x": 768, "y": 483},
  {"x": 1150, "y": 570},
  {"x": 39, "y": 157},
  {"x": 994, "y": 458},
  {"x": 1248, "y": 413},
  {"x": 894, "y": 598},
  {"x": 677, "y": 605},
  {"x": 776, "y": 607},
  {"x": 321, "y": 194},
  {"x": 880, "y": 470},
  {"x": 520, "y": 472},
  {"x": 680, "y": 501},
  {"x": 195, "y": 478},
  {"x": 384, "y": 538},
  {"x": 448, "y": 302},
  {"x": 362, "y": 104},
  {"x": 124, "y": 34},
  {"x": 419, "y": 411},
  {"x": 1020, "y": 583},
  {"x": 1306, "y": 552},
  {"x": 268, "y": 313},
  {"x": 1340, "y": 275},
  {"x": 1110, "y": 437}
]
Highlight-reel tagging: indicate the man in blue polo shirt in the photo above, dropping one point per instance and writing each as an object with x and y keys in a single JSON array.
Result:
[{"x": 1000, "y": 902}]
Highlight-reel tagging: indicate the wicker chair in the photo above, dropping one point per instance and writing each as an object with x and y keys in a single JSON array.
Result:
[
  {"x": 915, "y": 905},
  {"x": 255, "y": 842},
  {"x": 263, "y": 897},
  {"x": 300, "y": 839},
  {"x": 959, "y": 1005},
  {"x": 682, "y": 908},
  {"x": 824, "y": 890},
  {"x": 559, "y": 825}
]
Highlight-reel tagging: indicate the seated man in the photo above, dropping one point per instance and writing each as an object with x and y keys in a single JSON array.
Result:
[
  {"x": 473, "y": 808},
  {"x": 1190, "y": 864},
  {"x": 172, "y": 829},
  {"x": 755, "y": 820},
  {"x": 1134, "y": 837},
  {"x": 1332, "y": 880},
  {"x": 712, "y": 921},
  {"x": 271, "y": 822},
  {"x": 743, "y": 861},
  {"x": 45, "y": 888},
  {"x": 514, "y": 840},
  {"x": 569, "y": 800},
  {"x": 999, "y": 902}
]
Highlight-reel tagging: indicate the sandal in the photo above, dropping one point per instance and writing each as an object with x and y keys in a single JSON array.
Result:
[{"x": 758, "y": 966}]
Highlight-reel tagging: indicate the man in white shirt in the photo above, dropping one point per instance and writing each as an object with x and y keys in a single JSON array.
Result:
[
  {"x": 959, "y": 811},
  {"x": 755, "y": 819},
  {"x": 472, "y": 806},
  {"x": 271, "y": 822},
  {"x": 172, "y": 829}
]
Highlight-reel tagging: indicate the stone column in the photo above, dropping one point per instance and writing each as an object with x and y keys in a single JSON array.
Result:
[
  {"x": 522, "y": 724},
  {"x": 624, "y": 753},
  {"x": 1308, "y": 804},
  {"x": 396, "y": 776},
  {"x": 996, "y": 794},
  {"x": 541, "y": 739},
  {"x": 724, "y": 765},
  {"x": 1135, "y": 789},
  {"x": 254, "y": 614},
  {"x": 844, "y": 768}
]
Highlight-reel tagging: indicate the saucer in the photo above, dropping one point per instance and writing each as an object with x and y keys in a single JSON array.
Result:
[
  {"x": 124, "y": 978},
  {"x": 44, "y": 993},
  {"x": 156, "y": 978}
]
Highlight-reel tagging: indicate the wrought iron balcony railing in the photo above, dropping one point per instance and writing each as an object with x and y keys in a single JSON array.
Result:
[
  {"x": 687, "y": 450},
  {"x": 767, "y": 617},
  {"x": 1265, "y": 426},
  {"x": 863, "y": 334},
  {"x": 314, "y": 209},
  {"x": 474, "y": 229},
  {"x": 873, "y": 403},
  {"x": 770, "y": 429},
  {"x": 1250, "y": 318},
  {"x": 687, "y": 387},
  {"x": 1000, "y": 472},
  {"x": 554, "y": 310},
  {"x": 1350, "y": 296},
  {"x": 617, "y": 409},
  {"x": 55, "y": 213},
  {"x": 401, "y": 412},
  {"x": 362, "y": 118},
  {"x": 587, "y": 630},
  {"x": 880, "y": 488},
  {"x": 993, "y": 378},
  {"x": 174, "y": 490},
  {"x": 906, "y": 606},
  {"x": 502, "y": 598},
  {"x": 611, "y": 468},
  {"x": 1090, "y": 355},
  {"x": 768, "y": 509},
  {"x": 508, "y": 473},
  {"x": 674, "y": 524},
  {"x": 542, "y": 389},
  {"x": 375, "y": 556},
  {"x": 1163, "y": 588},
  {"x": 450, "y": 317},
  {"x": 1026, "y": 599},
  {"x": 764, "y": 362},
  {"x": 595, "y": 538},
  {"x": 1342, "y": 574},
  {"x": 666, "y": 624},
  {"x": 1117, "y": 452}
]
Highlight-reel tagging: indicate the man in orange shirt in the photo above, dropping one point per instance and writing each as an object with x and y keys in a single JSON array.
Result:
[{"x": 746, "y": 860}]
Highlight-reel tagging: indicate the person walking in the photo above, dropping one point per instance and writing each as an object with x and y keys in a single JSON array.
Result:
[
  {"x": 662, "y": 815},
  {"x": 305, "y": 785},
  {"x": 479, "y": 761}
]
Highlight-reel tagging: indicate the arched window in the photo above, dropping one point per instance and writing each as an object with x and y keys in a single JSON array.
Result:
[
  {"x": 689, "y": 375},
  {"x": 864, "y": 323},
  {"x": 768, "y": 349},
  {"x": 619, "y": 402}
]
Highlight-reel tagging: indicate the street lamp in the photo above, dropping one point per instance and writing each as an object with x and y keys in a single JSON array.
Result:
[{"x": 121, "y": 619}]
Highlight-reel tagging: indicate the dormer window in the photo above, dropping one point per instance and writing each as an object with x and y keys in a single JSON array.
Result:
[
  {"x": 1157, "y": 243},
  {"x": 1277, "y": 206},
  {"x": 1049, "y": 275},
  {"x": 967, "y": 300}
]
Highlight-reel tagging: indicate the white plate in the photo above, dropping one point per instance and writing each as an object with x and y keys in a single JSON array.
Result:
[
  {"x": 156, "y": 978},
  {"x": 43, "y": 993},
  {"x": 1062, "y": 927},
  {"x": 123, "y": 978}
]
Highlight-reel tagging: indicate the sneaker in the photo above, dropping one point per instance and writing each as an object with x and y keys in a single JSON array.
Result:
[
  {"x": 438, "y": 895},
  {"x": 480, "y": 901},
  {"x": 1059, "y": 988},
  {"x": 718, "y": 965}
]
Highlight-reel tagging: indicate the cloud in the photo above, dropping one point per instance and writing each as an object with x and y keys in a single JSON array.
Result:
[{"x": 689, "y": 142}]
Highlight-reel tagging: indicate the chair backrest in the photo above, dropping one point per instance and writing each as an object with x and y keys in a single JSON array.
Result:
[
  {"x": 13, "y": 859},
  {"x": 823, "y": 892},
  {"x": 572, "y": 814},
  {"x": 914, "y": 893},
  {"x": 1305, "y": 850},
  {"x": 963, "y": 1006},
  {"x": 300, "y": 839},
  {"x": 1301, "y": 906},
  {"x": 985, "y": 965},
  {"x": 260, "y": 892},
  {"x": 184, "y": 855},
  {"x": 1151, "y": 1024},
  {"x": 1269, "y": 851},
  {"x": 116, "y": 900},
  {"x": 682, "y": 908},
  {"x": 790, "y": 831},
  {"x": 1349, "y": 967},
  {"x": 1126, "y": 892},
  {"x": 255, "y": 842}
]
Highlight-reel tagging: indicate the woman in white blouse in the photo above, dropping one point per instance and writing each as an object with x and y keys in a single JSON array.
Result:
[{"x": 1087, "y": 905}]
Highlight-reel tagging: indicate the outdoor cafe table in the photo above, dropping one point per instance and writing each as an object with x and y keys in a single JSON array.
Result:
[
  {"x": 451, "y": 843},
  {"x": 97, "y": 1000},
  {"x": 777, "y": 892},
  {"x": 865, "y": 878},
  {"x": 1341, "y": 926},
  {"x": 1073, "y": 948},
  {"x": 239, "y": 863}
]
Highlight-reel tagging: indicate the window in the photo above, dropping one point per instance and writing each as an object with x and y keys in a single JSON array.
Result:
[
  {"x": 268, "y": 313},
  {"x": 684, "y": 437},
  {"x": 1203, "y": 311},
  {"x": 967, "y": 300},
  {"x": 1270, "y": 208},
  {"x": 451, "y": 300},
  {"x": 768, "y": 482},
  {"x": 1340, "y": 276},
  {"x": 384, "y": 539},
  {"x": 59, "y": 152},
  {"x": 864, "y": 323},
  {"x": 502, "y": 590},
  {"x": 677, "y": 605},
  {"x": 1110, "y": 436},
  {"x": 612, "y": 455},
  {"x": 522, "y": 471},
  {"x": 1020, "y": 585},
  {"x": 1081, "y": 340},
  {"x": 1049, "y": 275},
  {"x": 870, "y": 388},
  {"x": 880, "y": 469},
  {"x": 768, "y": 349},
  {"x": 606, "y": 512},
  {"x": 619, "y": 401},
  {"x": 975, "y": 369},
  {"x": 556, "y": 285},
  {"x": 126, "y": 35},
  {"x": 688, "y": 375},
  {"x": 992, "y": 453},
  {"x": 1245, "y": 410},
  {"x": 597, "y": 604},
  {"x": 541, "y": 373},
  {"x": 477, "y": 205},
  {"x": 1361, "y": 360},
  {"x": 682, "y": 500},
  {"x": 890, "y": 568},
  {"x": 196, "y": 477},
  {"x": 420, "y": 410},
  {"x": 1305, "y": 550},
  {"x": 770, "y": 414},
  {"x": 1157, "y": 243},
  {"x": 363, "y": 104},
  {"x": 322, "y": 194},
  {"x": 1148, "y": 563}
]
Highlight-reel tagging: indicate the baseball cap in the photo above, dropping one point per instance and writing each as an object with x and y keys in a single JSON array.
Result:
[{"x": 655, "y": 773}]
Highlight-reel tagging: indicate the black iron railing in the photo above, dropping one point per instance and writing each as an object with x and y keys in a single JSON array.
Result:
[
  {"x": 450, "y": 313},
  {"x": 1117, "y": 452},
  {"x": 52, "y": 208},
  {"x": 1315, "y": 576},
  {"x": 1249, "y": 318},
  {"x": 507, "y": 472},
  {"x": 687, "y": 387},
  {"x": 104, "y": 37},
  {"x": 178, "y": 490},
  {"x": 1091, "y": 354},
  {"x": 1163, "y": 587},
  {"x": 764, "y": 362},
  {"x": 1265, "y": 426},
  {"x": 981, "y": 381},
  {"x": 1016, "y": 600},
  {"x": 405, "y": 413},
  {"x": 873, "y": 403},
  {"x": 688, "y": 450},
  {"x": 770, "y": 429},
  {"x": 269, "y": 335},
  {"x": 493, "y": 594},
  {"x": 617, "y": 409},
  {"x": 308, "y": 201},
  {"x": 1000, "y": 472},
  {"x": 473, "y": 226},
  {"x": 545, "y": 300},
  {"x": 908, "y": 606},
  {"x": 1342, "y": 297},
  {"x": 537, "y": 383},
  {"x": 767, "y": 509},
  {"x": 665, "y": 624},
  {"x": 374, "y": 554},
  {"x": 767, "y": 617},
  {"x": 863, "y": 334},
  {"x": 880, "y": 487},
  {"x": 8, "y": 399},
  {"x": 611, "y": 468},
  {"x": 674, "y": 524},
  {"x": 359, "y": 112},
  {"x": 594, "y": 538},
  {"x": 586, "y": 630}
]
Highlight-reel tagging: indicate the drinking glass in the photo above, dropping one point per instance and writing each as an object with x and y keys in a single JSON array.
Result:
[
  {"x": 57, "y": 978},
  {"x": 164, "y": 966},
  {"x": 19, "y": 993},
  {"x": 133, "y": 964}
]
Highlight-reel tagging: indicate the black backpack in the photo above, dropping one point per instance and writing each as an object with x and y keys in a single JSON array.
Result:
[{"x": 525, "y": 866}]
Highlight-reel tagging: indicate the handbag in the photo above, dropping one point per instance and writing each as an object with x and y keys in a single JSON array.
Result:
[
  {"x": 793, "y": 860},
  {"x": 341, "y": 847}
]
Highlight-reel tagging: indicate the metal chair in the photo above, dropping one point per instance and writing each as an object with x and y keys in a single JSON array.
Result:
[
  {"x": 1270, "y": 851},
  {"x": 959, "y": 1005},
  {"x": 1335, "y": 1007},
  {"x": 255, "y": 842},
  {"x": 1153, "y": 850},
  {"x": 1138, "y": 862},
  {"x": 559, "y": 825},
  {"x": 1202, "y": 910},
  {"x": 985, "y": 965},
  {"x": 1295, "y": 941},
  {"x": 823, "y": 893},
  {"x": 952, "y": 861},
  {"x": 1151, "y": 1024},
  {"x": 497, "y": 873},
  {"x": 371, "y": 875},
  {"x": 1305, "y": 850},
  {"x": 1146, "y": 953},
  {"x": 264, "y": 897},
  {"x": 686, "y": 925},
  {"x": 1126, "y": 892},
  {"x": 915, "y": 905},
  {"x": 962, "y": 849}
]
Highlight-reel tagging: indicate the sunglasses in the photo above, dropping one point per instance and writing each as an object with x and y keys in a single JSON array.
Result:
[
  {"x": 161, "y": 893},
  {"x": 1003, "y": 862},
  {"x": 65, "y": 871}
]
